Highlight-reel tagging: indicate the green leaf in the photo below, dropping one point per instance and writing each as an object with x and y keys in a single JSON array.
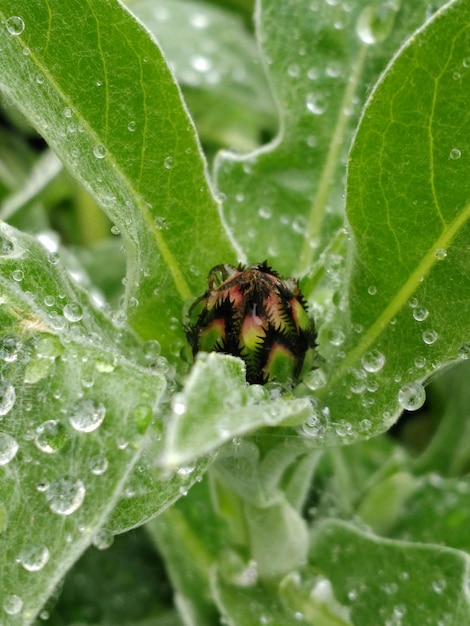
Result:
[
  {"x": 408, "y": 209},
  {"x": 285, "y": 201},
  {"x": 217, "y": 64},
  {"x": 95, "y": 85},
  {"x": 217, "y": 405},
  {"x": 78, "y": 410},
  {"x": 383, "y": 581}
]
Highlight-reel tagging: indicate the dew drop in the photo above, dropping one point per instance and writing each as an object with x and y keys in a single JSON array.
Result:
[
  {"x": 420, "y": 362},
  {"x": 15, "y": 25},
  {"x": 132, "y": 126},
  {"x": 439, "y": 585},
  {"x": 51, "y": 436},
  {"x": 464, "y": 351},
  {"x": 8, "y": 448},
  {"x": 376, "y": 21},
  {"x": 98, "y": 465},
  {"x": 168, "y": 163},
  {"x": 315, "y": 103},
  {"x": 372, "y": 290},
  {"x": 9, "y": 348},
  {"x": 34, "y": 558},
  {"x": 160, "y": 223},
  {"x": 73, "y": 312},
  {"x": 455, "y": 154},
  {"x": 12, "y": 604},
  {"x": 65, "y": 495},
  {"x": 7, "y": 397},
  {"x": 429, "y": 337},
  {"x": 420, "y": 313},
  {"x": 315, "y": 379},
  {"x": 18, "y": 275},
  {"x": 412, "y": 396},
  {"x": 87, "y": 416},
  {"x": 440, "y": 254},
  {"x": 99, "y": 151},
  {"x": 103, "y": 539},
  {"x": 373, "y": 361}
]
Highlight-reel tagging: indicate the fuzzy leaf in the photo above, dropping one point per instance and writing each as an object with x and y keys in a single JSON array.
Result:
[{"x": 93, "y": 82}]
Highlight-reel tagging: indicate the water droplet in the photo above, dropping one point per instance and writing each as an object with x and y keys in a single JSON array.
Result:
[
  {"x": 372, "y": 290},
  {"x": 335, "y": 336},
  {"x": 87, "y": 416},
  {"x": 265, "y": 212},
  {"x": 293, "y": 70},
  {"x": 115, "y": 230},
  {"x": 53, "y": 258},
  {"x": 376, "y": 21},
  {"x": 429, "y": 337},
  {"x": 65, "y": 495},
  {"x": 315, "y": 379},
  {"x": 160, "y": 223},
  {"x": 420, "y": 313},
  {"x": 152, "y": 349},
  {"x": 51, "y": 436},
  {"x": 6, "y": 246},
  {"x": 15, "y": 25},
  {"x": 440, "y": 254},
  {"x": 34, "y": 558},
  {"x": 412, "y": 396},
  {"x": 373, "y": 361},
  {"x": 103, "y": 539},
  {"x": 8, "y": 448},
  {"x": 98, "y": 465},
  {"x": 73, "y": 312},
  {"x": 132, "y": 126},
  {"x": 455, "y": 154},
  {"x": 357, "y": 381},
  {"x": 420, "y": 362},
  {"x": 18, "y": 275},
  {"x": 12, "y": 604},
  {"x": 316, "y": 103},
  {"x": 99, "y": 151},
  {"x": 9, "y": 347},
  {"x": 168, "y": 162},
  {"x": 7, "y": 397},
  {"x": 439, "y": 585}
]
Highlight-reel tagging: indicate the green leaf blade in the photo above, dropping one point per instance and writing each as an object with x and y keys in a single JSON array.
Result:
[{"x": 113, "y": 113}]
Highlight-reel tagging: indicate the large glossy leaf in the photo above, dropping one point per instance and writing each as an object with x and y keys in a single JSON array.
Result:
[
  {"x": 408, "y": 209},
  {"x": 95, "y": 85}
]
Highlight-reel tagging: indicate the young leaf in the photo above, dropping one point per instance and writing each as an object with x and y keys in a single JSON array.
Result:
[
  {"x": 383, "y": 581},
  {"x": 77, "y": 402},
  {"x": 284, "y": 201},
  {"x": 93, "y": 82},
  {"x": 408, "y": 208}
]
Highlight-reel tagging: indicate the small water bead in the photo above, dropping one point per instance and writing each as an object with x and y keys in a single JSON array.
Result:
[
  {"x": 420, "y": 313},
  {"x": 132, "y": 126},
  {"x": 88, "y": 416},
  {"x": 265, "y": 212},
  {"x": 315, "y": 103},
  {"x": 12, "y": 604},
  {"x": 372, "y": 290},
  {"x": 6, "y": 247},
  {"x": 9, "y": 347},
  {"x": 115, "y": 230},
  {"x": 49, "y": 301},
  {"x": 168, "y": 162},
  {"x": 98, "y": 465},
  {"x": 8, "y": 448},
  {"x": 103, "y": 539},
  {"x": 65, "y": 495},
  {"x": 152, "y": 349},
  {"x": 18, "y": 275},
  {"x": 99, "y": 151},
  {"x": 160, "y": 223},
  {"x": 412, "y": 396},
  {"x": 376, "y": 21},
  {"x": 15, "y": 25},
  {"x": 315, "y": 379},
  {"x": 73, "y": 312},
  {"x": 430, "y": 337},
  {"x": 420, "y": 362},
  {"x": 455, "y": 154},
  {"x": 53, "y": 258},
  {"x": 34, "y": 558},
  {"x": 7, "y": 397},
  {"x": 373, "y": 361},
  {"x": 143, "y": 416},
  {"x": 439, "y": 585},
  {"x": 357, "y": 381},
  {"x": 336, "y": 336},
  {"x": 51, "y": 436},
  {"x": 293, "y": 71},
  {"x": 440, "y": 254}
]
